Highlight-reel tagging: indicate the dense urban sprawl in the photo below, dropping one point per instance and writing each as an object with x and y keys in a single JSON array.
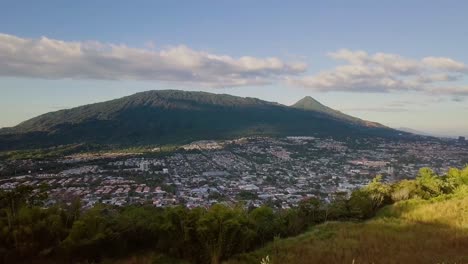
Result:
[{"x": 279, "y": 172}]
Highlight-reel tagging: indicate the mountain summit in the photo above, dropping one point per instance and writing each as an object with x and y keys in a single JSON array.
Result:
[
  {"x": 309, "y": 103},
  {"x": 173, "y": 116}
]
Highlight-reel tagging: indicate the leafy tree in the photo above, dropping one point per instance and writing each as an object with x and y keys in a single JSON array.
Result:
[
  {"x": 361, "y": 204},
  {"x": 379, "y": 192},
  {"x": 338, "y": 207},
  {"x": 312, "y": 210},
  {"x": 264, "y": 223},
  {"x": 92, "y": 236},
  {"x": 430, "y": 184},
  {"x": 223, "y": 232},
  {"x": 404, "y": 190},
  {"x": 456, "y": 178}
]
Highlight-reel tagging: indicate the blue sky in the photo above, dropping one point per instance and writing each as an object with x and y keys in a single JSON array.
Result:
[{"x": 401, "y": 63}]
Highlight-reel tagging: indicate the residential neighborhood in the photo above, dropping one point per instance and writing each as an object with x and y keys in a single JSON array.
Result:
[{"x": 279, "y": 172}]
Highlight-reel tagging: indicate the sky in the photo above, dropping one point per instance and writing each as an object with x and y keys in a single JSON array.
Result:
[{"x": 400, "y": 63}]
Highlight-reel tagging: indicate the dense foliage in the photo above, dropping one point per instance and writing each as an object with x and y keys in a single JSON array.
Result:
[
  {"x": 65, "y": 233},
  {"x": 171, "y": 117}
]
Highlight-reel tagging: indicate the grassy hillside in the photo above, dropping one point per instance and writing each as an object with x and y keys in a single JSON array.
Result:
[{"x": 412, "y": 231}]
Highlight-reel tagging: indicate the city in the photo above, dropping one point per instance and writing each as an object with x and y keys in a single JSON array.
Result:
[{"x": 279, "y": 172}]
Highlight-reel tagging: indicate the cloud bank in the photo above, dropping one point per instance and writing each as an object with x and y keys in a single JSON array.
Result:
[
  {"x": 56, "y": 59},
  {"x": 384, "y": 72},
  {"x": 361, "y": 72}
]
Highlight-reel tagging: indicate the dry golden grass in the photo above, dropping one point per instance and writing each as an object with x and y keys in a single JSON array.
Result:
[
  {"x": 407, "y": 232},
  {"x": 414, "y": 231}
]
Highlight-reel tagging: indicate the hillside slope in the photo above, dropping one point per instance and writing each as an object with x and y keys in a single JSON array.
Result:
[
  {"x": 309, "y": 103},
  {"x": 413, "y": 231},
  {"x": 172, "y": 116}
]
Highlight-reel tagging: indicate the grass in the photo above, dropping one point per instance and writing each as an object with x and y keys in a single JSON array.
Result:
[
  {"x": 414, "y": 231},
  {"x": 146, "y": 258}
]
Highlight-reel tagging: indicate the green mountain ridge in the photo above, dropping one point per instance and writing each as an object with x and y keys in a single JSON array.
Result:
[{"x": 174, "y": 116}]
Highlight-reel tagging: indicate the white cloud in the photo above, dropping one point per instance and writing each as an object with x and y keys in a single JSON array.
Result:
[
  {"x": 55, "y": 59},
  {"x": 361, "y": 71},
  {"x": 383, "y": 72},
  {"x": 445, "y": 64},
  {"x": 389, "y": 62}
]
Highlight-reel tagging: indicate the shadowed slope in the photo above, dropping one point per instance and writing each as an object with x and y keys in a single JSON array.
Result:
[{"x": 172, "y": 116}]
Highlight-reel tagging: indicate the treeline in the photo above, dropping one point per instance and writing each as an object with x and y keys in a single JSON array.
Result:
[{"x": 66, "y": 234}]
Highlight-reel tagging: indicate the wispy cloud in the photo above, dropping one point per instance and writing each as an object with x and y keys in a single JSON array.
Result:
[
  {"x": 56, "y": 59},
  {"x": 384, "y": 72}
]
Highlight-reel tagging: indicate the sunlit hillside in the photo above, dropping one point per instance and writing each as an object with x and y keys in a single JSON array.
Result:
[{"x": 412, "y": 231}]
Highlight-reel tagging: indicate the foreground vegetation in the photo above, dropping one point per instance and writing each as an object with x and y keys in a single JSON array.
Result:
[
  {"x": 413, "y": 221},
  {"x": 414, "y": 231}
]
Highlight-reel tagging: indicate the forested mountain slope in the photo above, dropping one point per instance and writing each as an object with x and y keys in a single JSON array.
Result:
[{"x": 173, "y": 116}]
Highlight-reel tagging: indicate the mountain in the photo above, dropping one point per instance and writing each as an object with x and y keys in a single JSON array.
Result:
[
  {"x": 413, "y": 131},
  {"x": 174, "y": 116},
  {"x": 309, "y": 103},
  {"x": 426, "y": 134}
]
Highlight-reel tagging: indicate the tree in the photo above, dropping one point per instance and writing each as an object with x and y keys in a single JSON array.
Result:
[
  {"x": 429, "y": 184},
  {"x": 404, "y": 190},
  {"x": 265, "y": 224},
  {"x": 311, "y": 209},
  {"x": 456, "y": 178},
  {"x": 361, "y": 204},
  {"x": 223, "y": 232},
  {"x": 93, "y": 236},
  {"x": 379, "y": 192},
  {"x": 338, "y": 207}
]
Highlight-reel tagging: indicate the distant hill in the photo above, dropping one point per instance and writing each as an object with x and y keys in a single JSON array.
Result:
[
  {"x": 309, "y": 103},
  {"x": 414, "y": 131},
  {"x": 426, "y": 134},
  {"x": 174, "y": 116}
]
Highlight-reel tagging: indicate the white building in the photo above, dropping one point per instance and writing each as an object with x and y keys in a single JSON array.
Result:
[{"x": 144, "y": 166}]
